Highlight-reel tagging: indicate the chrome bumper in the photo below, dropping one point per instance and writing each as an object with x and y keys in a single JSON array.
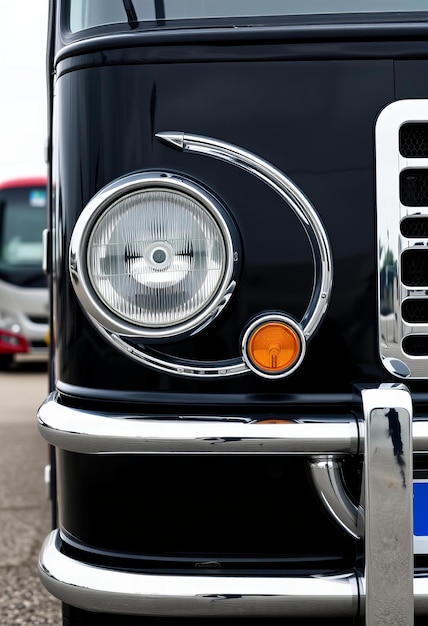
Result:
[
  {"x": 110, "y": 433},
  {"x": 383, "y": 518},
  {"x": 99, "y": 589}
]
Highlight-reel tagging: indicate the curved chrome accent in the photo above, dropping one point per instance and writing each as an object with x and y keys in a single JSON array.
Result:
[
  {"x": 326, "y": 473},
  {"x": 113, "y": 433},
  {"x": 120, "y": 188},
  {"x": 112, "y": 591},
  {"x": 291, "y": 194},
  {"x": 392, "y": 292},
  {"x": 173, "y": 365},
  {"x": 264, "y": 319}
]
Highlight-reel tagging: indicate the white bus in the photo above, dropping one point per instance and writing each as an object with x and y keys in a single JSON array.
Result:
[{"x": 23, "y": 283}]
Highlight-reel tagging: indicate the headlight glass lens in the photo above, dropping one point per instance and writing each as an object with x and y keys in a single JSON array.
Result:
[{"x": 156, "y": 257}]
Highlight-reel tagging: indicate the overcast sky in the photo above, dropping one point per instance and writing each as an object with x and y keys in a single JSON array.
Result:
[{"x": 23, "y": 127}]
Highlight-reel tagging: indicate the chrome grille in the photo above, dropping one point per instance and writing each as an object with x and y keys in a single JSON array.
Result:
[{"x": 402, "y": 230}]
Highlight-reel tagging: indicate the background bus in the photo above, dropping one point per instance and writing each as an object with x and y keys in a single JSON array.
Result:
[{"x": 23, "y": 283}]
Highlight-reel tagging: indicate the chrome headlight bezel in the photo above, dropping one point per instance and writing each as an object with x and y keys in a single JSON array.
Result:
[{"x": 98, "y": 207}]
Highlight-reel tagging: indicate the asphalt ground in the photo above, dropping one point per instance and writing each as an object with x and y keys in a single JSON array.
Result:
[{"x": 24, "y": 505}]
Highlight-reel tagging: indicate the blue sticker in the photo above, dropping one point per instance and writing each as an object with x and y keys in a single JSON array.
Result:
[{"x": 420, "y": 509}]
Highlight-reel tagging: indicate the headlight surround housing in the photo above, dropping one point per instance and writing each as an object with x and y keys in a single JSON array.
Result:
[{"x": 154, "y": 255}]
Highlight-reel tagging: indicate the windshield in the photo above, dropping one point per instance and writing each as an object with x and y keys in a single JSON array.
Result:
[
  {"x": 88, "y": 13},
  {"x": 22, "y": 220}
]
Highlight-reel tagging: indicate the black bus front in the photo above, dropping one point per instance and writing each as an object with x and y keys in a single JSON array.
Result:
[{"x": 239, "y": 235}]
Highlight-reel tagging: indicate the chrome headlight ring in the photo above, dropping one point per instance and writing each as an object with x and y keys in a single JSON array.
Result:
[{"x": 153, "y": 255}]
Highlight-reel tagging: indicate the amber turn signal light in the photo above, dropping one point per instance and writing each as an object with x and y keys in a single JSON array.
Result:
[{"x": 273, "y": 346}]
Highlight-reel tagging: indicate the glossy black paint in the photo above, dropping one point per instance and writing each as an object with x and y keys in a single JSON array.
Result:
[
  {"x": 84, "y": 618},
  {"x": 155, "y": 512},
  {"x": 312, "y": 119},
  {"x": 308, "y": 107}
]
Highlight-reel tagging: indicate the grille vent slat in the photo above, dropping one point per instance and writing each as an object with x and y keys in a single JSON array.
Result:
[
  {"x": 413, "y": 140},
  {"x": 416, "y": 345},
  {"x": 414, "y": 268},
  {"x": 414, "y": 187},
  {"x": 415, "y": 311},
  {"x": 414, "y": 227}
]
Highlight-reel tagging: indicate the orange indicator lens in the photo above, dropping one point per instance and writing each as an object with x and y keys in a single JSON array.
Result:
[{"x": 274, "y": 347}]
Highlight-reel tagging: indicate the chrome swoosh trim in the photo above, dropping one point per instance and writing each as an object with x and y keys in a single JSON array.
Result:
[
  {"x": 171, "y": 365},
  {"x": 294, "y": 198}
]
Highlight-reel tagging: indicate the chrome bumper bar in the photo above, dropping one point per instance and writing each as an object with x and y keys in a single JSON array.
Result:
[
  {"x": 98, "y": 589},
  {"x": 111, "y": 433},
  {"x": 95, "y": 432}
]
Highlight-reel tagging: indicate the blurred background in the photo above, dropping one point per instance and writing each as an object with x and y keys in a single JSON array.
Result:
[
  {"x": 25, "y": 517},
  {"x": 23, "y": 125}
]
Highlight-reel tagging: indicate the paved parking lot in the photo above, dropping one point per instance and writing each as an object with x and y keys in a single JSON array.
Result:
[{"x": 24, "y": 506}]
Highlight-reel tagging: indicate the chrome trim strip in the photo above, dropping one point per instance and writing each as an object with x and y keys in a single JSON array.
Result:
[
  {"x": 388, "y": 506},
  {"x": 98, "y": 589},
  {"x": 172, "y": 365},
  {"x": 326, "y": 473},
  {"x": 391, "y": 243},
  {"x": 292, "y": 196},
  {"x": 112, "y": 433}
]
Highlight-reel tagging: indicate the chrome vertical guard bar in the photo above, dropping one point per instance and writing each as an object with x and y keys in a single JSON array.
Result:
[{"x": 387, "y": 497}]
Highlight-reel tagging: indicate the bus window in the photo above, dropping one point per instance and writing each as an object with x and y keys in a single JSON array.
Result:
[
  {"x": 23, "y": 285},
  {"x": 89, "y": 13},
  {"x": 23, "y": 218}
]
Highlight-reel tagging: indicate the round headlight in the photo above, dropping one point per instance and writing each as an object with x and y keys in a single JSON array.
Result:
[{"x": 152, "y": 255}]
